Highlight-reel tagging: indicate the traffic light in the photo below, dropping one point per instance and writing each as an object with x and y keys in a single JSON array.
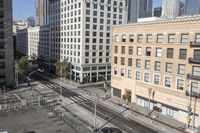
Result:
[{"x": 190, "y": 111}]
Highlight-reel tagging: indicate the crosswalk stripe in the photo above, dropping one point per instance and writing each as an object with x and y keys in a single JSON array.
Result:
[
  {"x": 82, "y": 97},
  {"x": 73, "y": 99},
  {"x": 79, "y": 99}
]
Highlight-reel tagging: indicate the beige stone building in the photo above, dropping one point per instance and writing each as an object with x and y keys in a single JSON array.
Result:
[{"x": 159, "y": 61}]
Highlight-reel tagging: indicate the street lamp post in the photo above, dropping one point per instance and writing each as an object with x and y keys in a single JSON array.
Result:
[
  {"x": 149, "y": 91},
  {"x": 5, "y": 101},
  {"x": 32, "y": 98},
  {"x": 61, "y": 82}
]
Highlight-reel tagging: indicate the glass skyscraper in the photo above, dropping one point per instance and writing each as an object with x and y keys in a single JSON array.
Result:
[{"x": 192, "y": 7}]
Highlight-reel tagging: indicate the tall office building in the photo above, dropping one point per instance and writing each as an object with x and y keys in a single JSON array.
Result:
[
  {"x": 192, "y": 7},
  {"x": 31, "y": 21},
  {"x": 139, "y": 9},
  {"x": 42, "y": 12},
  {"x": 80, "y": 32},
  {"x": 170, "y": 8},
  {"x": 145, "y": 8},
  {"x": 6, "y": 43},
  {"x": 157, "y": 12}
]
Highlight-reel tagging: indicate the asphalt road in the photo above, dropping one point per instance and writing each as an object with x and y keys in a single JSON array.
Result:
[{"x": 105, "y": 113}]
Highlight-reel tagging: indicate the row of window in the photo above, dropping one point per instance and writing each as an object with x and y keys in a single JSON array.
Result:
[
  {"x": 102, "y": 27},
  {"x": 102, "y": 14},
  {"x": 156, "y": 79},
  {"x": 157, "y": 66},
  {"x": 159, "y": 38},
  {"x": 158, "y": 52},
  {"x": 102, "y": 20},
  {"x": 95, "y": 60}
]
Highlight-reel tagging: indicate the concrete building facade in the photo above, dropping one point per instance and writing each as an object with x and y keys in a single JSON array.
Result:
[
  {"x": 155, "y": 63},
  {"x": 80, "y": 32},
  {"x": 34, "y": 41},
  {"x": 6, "y": 43}
]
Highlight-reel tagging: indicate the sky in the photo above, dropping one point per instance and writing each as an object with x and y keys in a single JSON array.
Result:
[{"x": 22, "y": 9}]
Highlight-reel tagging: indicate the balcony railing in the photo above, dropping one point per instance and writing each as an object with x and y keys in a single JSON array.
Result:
[
  {"x": 194, "y": 61},
  {"x": 194, "y": 44},
  {"x": 193, "y": 77}
]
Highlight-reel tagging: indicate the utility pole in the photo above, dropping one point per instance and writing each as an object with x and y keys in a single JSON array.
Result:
[
  {"x": 16, "y": 73},
  {"x": 194, "y": 111},
  {"x": 95, "y": 109}
]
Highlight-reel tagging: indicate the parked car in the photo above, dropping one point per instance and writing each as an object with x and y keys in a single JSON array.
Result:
[{"x": 110, "y": 130}]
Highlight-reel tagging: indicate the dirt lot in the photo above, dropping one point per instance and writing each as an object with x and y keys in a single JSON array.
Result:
[{"x": 32, "y": 119}]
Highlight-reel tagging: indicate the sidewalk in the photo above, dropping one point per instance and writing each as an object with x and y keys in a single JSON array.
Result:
[{"x": 140, "y": 115}]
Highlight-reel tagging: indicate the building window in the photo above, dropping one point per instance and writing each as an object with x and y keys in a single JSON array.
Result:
[
  {"x": 122, "y": 72},
  {"x": 131, "y": 38},
  {"x": 170, "y": 112},
  {"x": 130, "y": 50},
  {"x": 159, "y": 38},
  {"x": 197, "y": 54},
  {"x": 182, "y": 54},
  {"x": 138, "y": 63},
  {"x": 180, "y": 84},
  {"x": 115, "y": 70},
  {"x": 116, "y": 38},
  {"x": 168, "y": 68},
  {"x": 130, "y": 62},
  {"x": 181, "y": 69},
  {"x": 146, "y": 77},
  {"x": 129, "y": 73},
  {"x": 2, "y": 55},
  {"x": 196, "y": 71},
  {"x": 137, "y": 75},
  {"x": 115, "y": 60},
  {"x": 158, "y": 52},
  {"x": 197, "y": 39},
  {"x": 122, "y": 61},
  {"x": 167, "y": 81},
  {"x": 122, "y": 49},
  {"x": 156, "y": 79},
  {"x": 171, "y": 38},
  {"x": 139, "y": 51},
  {"x": 157, "y": 65},
  {"x": 116, "y": 49},
  {"x": 170, "y": 52},
  {"x": 148, "y": 51},
  {"x": 140, "y": 38},
  {"x": 2, "y": 65},
  {"x": 149, "y": 38},
  {"x": 184, "y": 38},
  {"x": 123, "y": 38},
  {"x": 194, "y": 87},
  {"x": 147, "y": 64}
]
